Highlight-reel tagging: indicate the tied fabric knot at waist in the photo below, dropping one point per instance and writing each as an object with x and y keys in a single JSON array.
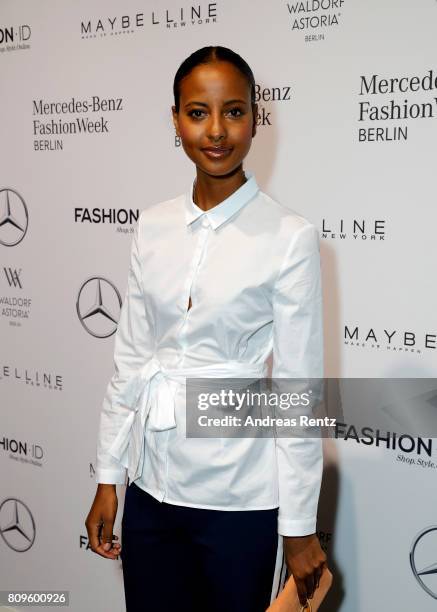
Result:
[{"x": 149, "y": 395}]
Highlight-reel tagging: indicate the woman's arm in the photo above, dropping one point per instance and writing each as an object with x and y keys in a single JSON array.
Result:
[
  {"x": 298, "y": 353},
  {"x": 132, "y": 347}
]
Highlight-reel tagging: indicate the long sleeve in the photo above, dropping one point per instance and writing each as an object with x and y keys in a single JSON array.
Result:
[
  {"x": 298, "y": 353},
  {"x": 132, "y": 346}
]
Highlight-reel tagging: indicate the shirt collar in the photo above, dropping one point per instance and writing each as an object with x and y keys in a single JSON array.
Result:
[{"x": 225, "y": 209}]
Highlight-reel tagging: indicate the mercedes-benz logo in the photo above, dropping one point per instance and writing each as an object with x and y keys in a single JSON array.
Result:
[
  {"x": 14, "y": 217},
  {"x": 17, "y": 526},
  {"x": 98, "y": 306},
  {"x": 423, "y": 550}
]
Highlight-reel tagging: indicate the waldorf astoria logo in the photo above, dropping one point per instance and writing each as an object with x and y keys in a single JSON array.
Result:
[
  {"x": 171, "y": 17},
  {"x": 389, "y": 339},
  {"x": 15, "y": 306},
  {"x": 315, "y": 17},
  {"x": 388, "y": 105},
  {"x": 14, "y": 37}
]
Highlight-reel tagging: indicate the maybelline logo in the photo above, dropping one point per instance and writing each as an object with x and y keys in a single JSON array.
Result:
[
  {"x": 389, "y": 440},
  {"x": 393, "y": 115},
  {"x": 14, "y": 38},
  {"x": 98, "y": 306},
  {"x": 314, "y": 14},
  {"x": 44, "y": 123},
  {"x": 392, "y": 339},
  {"x": 26, "y": 452},
  {"x": 17, "y": 525},
  {"x": 170, "y": 18},
  {"x": 34, "y": 378},
  {"x": 118, "y": 216},
  {"x": 16, "y": 308},
  {"x": 354, "y": 229},
  {"x": 192, "y": 14},
  {"x": 14, "y": 217}
]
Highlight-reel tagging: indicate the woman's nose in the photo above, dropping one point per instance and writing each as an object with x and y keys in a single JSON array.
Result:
[{"x": 216, "y": 128}]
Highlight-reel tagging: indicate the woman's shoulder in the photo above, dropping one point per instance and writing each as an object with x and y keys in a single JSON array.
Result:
[
  {"x": 161, "y": 210},
  {"x": 288, "y": 217}
]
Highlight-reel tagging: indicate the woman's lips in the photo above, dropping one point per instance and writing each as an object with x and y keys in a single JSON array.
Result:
[{"x": 217, "y": 152}]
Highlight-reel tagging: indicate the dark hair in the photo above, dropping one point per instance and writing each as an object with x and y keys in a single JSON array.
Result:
[{"x": 206, "y": 55}]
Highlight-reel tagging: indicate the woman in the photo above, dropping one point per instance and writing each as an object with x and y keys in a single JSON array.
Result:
[{"x": 219, "y": 278}]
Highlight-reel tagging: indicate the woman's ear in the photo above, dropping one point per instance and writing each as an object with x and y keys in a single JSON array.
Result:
[
  {"x": 175, "y": 119},
  {"x": 255, "y": 116}
]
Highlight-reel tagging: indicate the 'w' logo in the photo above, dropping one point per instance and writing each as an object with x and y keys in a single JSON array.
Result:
[{"x": 13, "y": 277}]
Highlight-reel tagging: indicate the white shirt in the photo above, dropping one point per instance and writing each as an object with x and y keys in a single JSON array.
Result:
[{"x": 252, "y": 268}]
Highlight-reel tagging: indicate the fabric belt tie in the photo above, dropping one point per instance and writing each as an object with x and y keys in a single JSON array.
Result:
[{"x": 149, "y": 395}]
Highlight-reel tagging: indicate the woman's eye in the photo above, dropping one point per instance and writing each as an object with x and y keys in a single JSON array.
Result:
[
  {"x": 196, "y": 110},
  {"x": 236, "y": 112}
]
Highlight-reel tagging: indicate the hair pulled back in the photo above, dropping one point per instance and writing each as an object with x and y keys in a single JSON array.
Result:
[{"x": 207, "y": 55}]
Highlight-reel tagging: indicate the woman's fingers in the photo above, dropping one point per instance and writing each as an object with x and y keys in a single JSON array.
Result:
[
  {"x": 93, "y": 534},
  {"x": 310, "y": 585},
  {"x": 301, "y": 590},
  {"x": 101, "y": 539}
]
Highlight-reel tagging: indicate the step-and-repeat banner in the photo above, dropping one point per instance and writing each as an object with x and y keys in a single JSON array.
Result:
[{"x": 347, "y": 95}]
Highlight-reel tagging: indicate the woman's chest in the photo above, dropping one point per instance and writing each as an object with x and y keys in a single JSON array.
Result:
[{"x": 221, "y": 271}]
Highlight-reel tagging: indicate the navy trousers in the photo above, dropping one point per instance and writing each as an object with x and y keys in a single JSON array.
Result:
[{"x": 180, "y": 559}]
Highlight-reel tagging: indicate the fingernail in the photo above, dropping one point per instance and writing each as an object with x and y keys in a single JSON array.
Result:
[{"x": 106, "y": 546}]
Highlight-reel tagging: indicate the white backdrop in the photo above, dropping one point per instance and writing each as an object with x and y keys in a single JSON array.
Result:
[{"x": 325, "y": 147}]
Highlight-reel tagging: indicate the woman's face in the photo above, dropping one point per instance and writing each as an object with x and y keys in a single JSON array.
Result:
[{"x": 215, "y": 111}]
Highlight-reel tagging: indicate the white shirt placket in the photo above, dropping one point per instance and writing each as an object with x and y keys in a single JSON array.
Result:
[
  {"x": 159, "y": 454},
  {"x": 189, "y": 287}
]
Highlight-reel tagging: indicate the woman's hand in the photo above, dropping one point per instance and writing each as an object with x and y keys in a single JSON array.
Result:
[
  {"x": 305, "y": 561},
  {"x": 100, "y": 522}
]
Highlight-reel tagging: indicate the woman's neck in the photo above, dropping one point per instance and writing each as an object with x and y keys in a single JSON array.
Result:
[{"x": 210, "y": 190}]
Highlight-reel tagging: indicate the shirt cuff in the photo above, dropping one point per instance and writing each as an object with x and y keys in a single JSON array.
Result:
[
  {"x": 110, "y": 476},
  {"x": 301, "y": 527}
]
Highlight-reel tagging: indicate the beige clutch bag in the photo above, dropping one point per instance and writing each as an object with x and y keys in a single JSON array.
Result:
[{"x": 288, "y": 600}]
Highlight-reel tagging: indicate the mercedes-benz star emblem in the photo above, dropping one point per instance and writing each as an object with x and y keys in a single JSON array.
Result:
[
  {"x": 17, "y": 526},
  {"x": 14, "y": 217},
  {"x": 98, "y": 306},
  {"x": 423, "y": 557}
]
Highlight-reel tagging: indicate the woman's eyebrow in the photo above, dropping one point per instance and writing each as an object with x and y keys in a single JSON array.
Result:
[{"x": 236, "y": 100}]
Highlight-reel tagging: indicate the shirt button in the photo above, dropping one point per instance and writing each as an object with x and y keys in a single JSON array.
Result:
[{"x": 205, "y": 222}]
